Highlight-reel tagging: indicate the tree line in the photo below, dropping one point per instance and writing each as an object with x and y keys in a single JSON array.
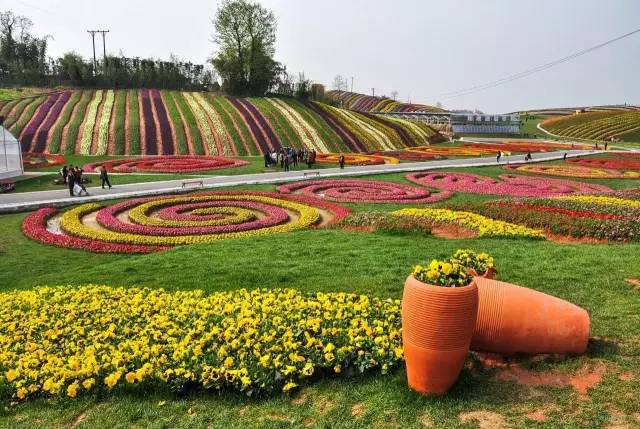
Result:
[{"x": 243, "y": 64}]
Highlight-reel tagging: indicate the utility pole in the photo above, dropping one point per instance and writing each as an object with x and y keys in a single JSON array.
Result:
[
  {"x": 373, "y": 91},
  {"x": 351, "y": 83},
  {"x": 104, "y": 47}
]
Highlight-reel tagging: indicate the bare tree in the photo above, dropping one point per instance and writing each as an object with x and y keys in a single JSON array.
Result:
[
  {"x": 340, "y": 83},
  {"x": 394, "y": 94}
]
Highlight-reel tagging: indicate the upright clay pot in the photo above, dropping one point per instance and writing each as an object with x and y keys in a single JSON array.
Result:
[
  {"x": 437, "y": 324},
  {"x": 513, "y": 319}
]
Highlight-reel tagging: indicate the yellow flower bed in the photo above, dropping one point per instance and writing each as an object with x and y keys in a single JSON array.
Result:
[
  {"x": 602, "y": 200},
  {"x": 67, "y": 341},
  {"x": 484, "y": 226}
]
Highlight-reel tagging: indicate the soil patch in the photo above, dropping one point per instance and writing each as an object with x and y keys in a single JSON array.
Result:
[
  {"x": 485, "y": 419},
  {"x": 634, "y": 282},
  {"x": 566, "y": 239},
  {"x": 357, "y": 410},
  {"x": 451, "y": 231}
]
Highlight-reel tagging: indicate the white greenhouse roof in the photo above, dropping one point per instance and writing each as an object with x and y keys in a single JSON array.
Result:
[{"x": 10, "y": 156}]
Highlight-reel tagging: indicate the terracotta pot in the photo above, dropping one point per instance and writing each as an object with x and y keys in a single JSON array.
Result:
[
  {"x": 513, "y": 319},
  {"x": 489, "y": 274},
  {"x": 437, "y": 324}
]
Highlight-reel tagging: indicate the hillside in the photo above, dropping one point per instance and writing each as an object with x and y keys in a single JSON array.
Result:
[
  {"x": 152, "y": 122},
  {"x": 597, "y": 125},
  {"x": 368, "y": 103}
]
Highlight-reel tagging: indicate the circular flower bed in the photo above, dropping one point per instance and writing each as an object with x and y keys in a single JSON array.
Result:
[
  {"x": 364, "y": 191},
  {"x": 40, "y": 160},
  {"x": 99, "y": 338},
  {"x": 355, "y": 159},
  {"x": 522, "y": 186},
  {"x": 166, "y": 164},
  {"x": 574, "y": 171},
  {"x": 151, "y": 224}
]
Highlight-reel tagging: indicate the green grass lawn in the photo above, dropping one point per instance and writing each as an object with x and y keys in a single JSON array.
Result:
[{"x": 592, "y": 276}]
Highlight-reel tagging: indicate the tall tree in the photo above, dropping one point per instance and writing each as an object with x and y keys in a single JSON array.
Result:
[{"x": 245, "y": 33}]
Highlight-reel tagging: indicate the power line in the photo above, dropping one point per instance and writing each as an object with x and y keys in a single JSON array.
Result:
[{"x": 531, "y": 71}]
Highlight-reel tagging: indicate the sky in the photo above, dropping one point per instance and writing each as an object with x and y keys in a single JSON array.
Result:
[{"x": 419, "y": 48}]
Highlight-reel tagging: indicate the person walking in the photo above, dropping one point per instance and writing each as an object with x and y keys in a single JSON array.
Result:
[
  {"x": 341, "y": 161},
  {"x": 104, "y": 177},
  {"x": 71, "y": 180},
  {"x": 606, "y": 144},
  {"x": 78, "y": 180},
  {"x": 564, "y": 158},
  {"x": 498, "y": 156},
  {"x": 64, "y": 172},
  {"x": 294, "y": 157}
]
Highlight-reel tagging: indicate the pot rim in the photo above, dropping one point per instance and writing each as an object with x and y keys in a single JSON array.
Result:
[{"x": 411, "y": 278}]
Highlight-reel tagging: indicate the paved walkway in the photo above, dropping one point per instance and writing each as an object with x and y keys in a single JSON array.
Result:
[{"x": 23, "y": 201}]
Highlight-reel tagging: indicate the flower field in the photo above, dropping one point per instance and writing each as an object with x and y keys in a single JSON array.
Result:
[
  {"x": 166, "y": 164},
  {"x": 355, "y": 159},
  {"x": 591, "y": 216},
  {"x": 594, "y": 125},
  {"x": 483, "y": 226},
  {"x": 362, "y": 191},
  {"x": 39, "y": 160},
  {"x": 145, "y": 225},
  {"x": 251, "y": 341},
  {"x": 367, "y": 103},
  {"x": 153, "y": 122},
  {"x": 512, "y": 185},
  {"x": 569, "y": 170}
]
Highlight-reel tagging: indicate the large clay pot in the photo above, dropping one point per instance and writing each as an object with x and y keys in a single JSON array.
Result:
[
  {"x": 489, "y": 274},
  {"x": 513, "y": 319},
  {"x": 437, "y": 324}
]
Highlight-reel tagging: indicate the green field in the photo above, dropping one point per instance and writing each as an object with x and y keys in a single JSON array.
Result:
[{"x": 376, "y": 264}]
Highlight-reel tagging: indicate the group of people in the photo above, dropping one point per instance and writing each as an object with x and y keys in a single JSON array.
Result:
[
  {"x": 72, "y": 176},
  {"x": 289, "y": 157}
]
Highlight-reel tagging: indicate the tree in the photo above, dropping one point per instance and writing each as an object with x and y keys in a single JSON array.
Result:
[
  {"x": 245, "y": 33},
  {"x": 340, "y": 83},
  {"x": 394, "y": 94}
]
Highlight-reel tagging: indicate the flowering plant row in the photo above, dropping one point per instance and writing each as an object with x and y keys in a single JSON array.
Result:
[
  {"x": 39, "y": 160},
  {"x": 167, "y": 164},
  {"x": 514, "y": 185},
  {"x": 594, "y": 125},
  {"x": 574, "y": 171},
  {"x": 483, "y": 226},
  {"x": 355, "y": 159},
  {"x": 371, "y": 191},
  {"x": 610, "y": 163},
  {"x": 584, "y": 216},
  {"x": 521, "y": 146},
  {"x": 99, "y": 338},
  {"x": 158, "y": 223}
]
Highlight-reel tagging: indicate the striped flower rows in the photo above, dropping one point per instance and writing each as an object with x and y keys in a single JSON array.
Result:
[
  {"x": 153, "y": 122},
  {"x": 594, "y": 125},
  {"x": 158, "y": 223},
  {"x": 583, "y": 171},
  {"x": 367, "y": 103}
]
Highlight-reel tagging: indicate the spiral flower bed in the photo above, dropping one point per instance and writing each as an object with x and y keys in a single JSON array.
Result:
[
  {"x": 166, "y": 164},
  {"x": 575, "y": 171},
  {"x": 70, "y": 341},
  {"x": 364, "y": 191},
  {"x": 40, "y": 160},
  {"x": 151, "y": 224},
  {"x": 355, "y": 159},
  {"x": 514, "y": 185}
]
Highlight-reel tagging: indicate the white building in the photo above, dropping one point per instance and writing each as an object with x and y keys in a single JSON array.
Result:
[{"x": 10, "y": 155}]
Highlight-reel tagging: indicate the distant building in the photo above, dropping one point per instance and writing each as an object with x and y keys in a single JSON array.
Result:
[
  {"x": 10, "y": 155},
  {"x": 485, "y": 124}
]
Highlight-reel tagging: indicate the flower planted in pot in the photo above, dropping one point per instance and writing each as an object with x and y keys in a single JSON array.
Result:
[
  {"x": 478, "y": 264},
  {"x": 439, "y": 307}
]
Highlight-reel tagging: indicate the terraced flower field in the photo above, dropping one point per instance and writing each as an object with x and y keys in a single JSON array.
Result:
[
  {"x": 368, "y": 103},
  {"x": 155, "y": 122},
  {"x": 596, "y": 125}
]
